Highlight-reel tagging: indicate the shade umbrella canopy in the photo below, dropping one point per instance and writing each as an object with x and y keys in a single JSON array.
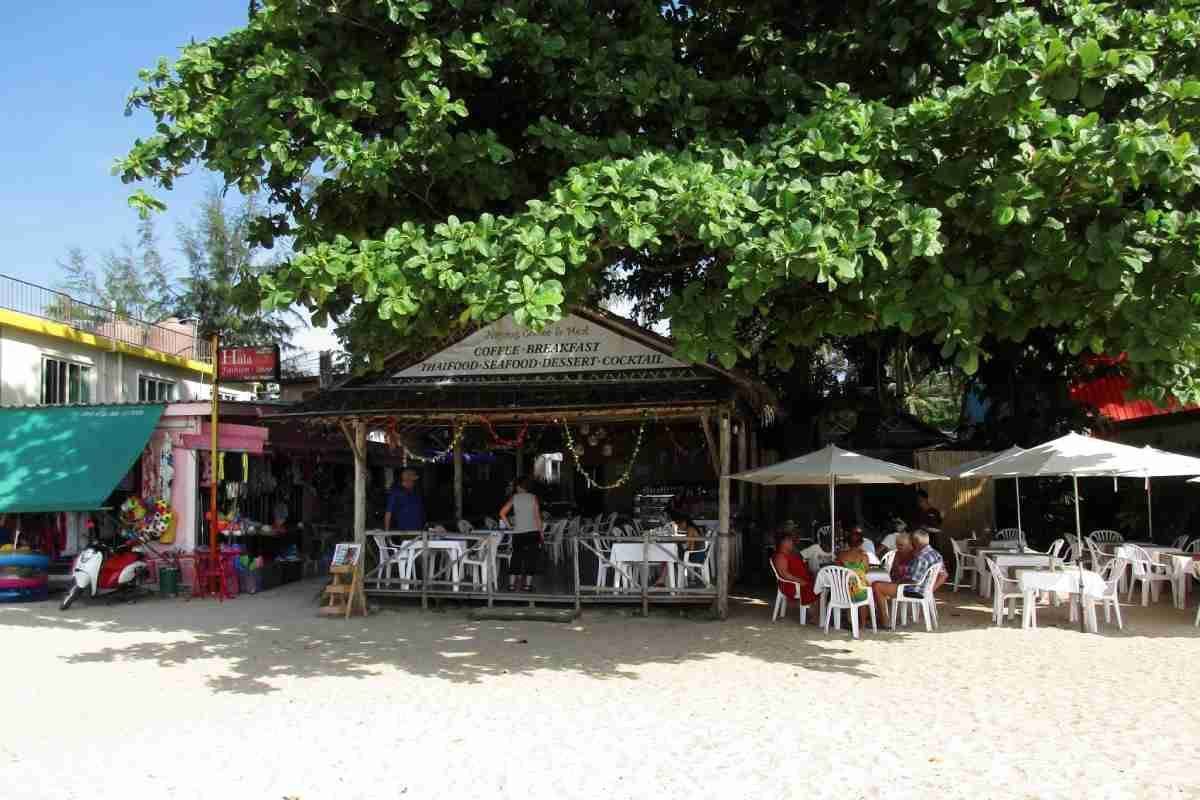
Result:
[
  {"x": 830, "y": 466},
  {"x": 1073, "y": 456},
  {"x": 832, "y": 462},
  {"x": 967, "y": 466}
]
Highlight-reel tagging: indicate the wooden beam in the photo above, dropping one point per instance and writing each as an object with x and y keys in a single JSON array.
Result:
[
  {"x": 458, "y": 475},
  {"x": 713, "y": 457},
  {"x": 743, "y": 447},
  {"x": 724, "y": 540},
  {"x": 755, "y": 463},
  {"x": 441, "y": 417},
  {"x": 360, "y": 483}
]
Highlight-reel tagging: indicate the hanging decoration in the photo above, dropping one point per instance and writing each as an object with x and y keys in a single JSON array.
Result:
[
  {"x": 500, "y": 441},
  {"x": 688, "y": 452},
  {"x": 392, "y": 435},
  {"x": 625, "y": 474}
]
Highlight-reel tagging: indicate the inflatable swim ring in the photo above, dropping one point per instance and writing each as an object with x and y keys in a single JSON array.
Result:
[{"x": 23, "y": 577}]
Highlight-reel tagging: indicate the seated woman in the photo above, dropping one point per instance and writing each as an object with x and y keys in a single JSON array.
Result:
[
  {"x": 684, "y": 526},
  {"x": 904, "y": 554},
  {"x": 854, "y": 558},
  {"x": 791, "y": 567}
]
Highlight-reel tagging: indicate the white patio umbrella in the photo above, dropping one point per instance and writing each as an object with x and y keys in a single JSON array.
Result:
[
  {"x": 959, "y": 470},
  {"x": 1076, "y": 456},
  {"x": 1165, "y": 464},
  {"x": 833, "y": 465}
]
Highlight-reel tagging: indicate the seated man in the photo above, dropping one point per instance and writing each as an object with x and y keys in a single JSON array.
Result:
[{"x": 923, "y": 557}]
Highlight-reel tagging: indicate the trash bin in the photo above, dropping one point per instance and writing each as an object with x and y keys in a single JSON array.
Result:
[{"x": 168, "y": 580}]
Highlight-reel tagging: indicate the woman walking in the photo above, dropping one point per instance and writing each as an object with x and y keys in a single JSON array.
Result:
[{"x": 526, "y": 524}]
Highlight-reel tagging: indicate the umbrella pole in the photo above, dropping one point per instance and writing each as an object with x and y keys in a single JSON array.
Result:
[
  {"x": 1149, "y": 510},
  {"x": 1020, "y": 527},
  {"x": 832, "y": 513},
  {"x": 1079, "y": 536}
]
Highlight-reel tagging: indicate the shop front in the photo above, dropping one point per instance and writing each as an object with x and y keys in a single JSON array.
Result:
[{"x": 632, "y": 430}]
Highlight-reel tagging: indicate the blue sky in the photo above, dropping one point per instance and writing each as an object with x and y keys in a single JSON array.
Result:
[{"x": 66, "y": 70}]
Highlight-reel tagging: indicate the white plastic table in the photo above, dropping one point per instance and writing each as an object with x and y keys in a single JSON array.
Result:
[
  {"x": 1007, "y": 561},
  {"x": 1064, "y": 581},
  {"x": 631, "y": 553},
  {"x": 454, "y": 548}
]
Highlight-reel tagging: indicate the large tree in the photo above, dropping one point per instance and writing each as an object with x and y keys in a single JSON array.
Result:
[{"x": 767, "y": 174}]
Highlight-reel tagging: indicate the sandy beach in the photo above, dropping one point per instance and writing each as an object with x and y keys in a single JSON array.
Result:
[{"x": 259, "y": 698}]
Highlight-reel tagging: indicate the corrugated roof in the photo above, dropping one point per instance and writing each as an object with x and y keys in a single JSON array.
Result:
[{"x": 1109, "y": 396}]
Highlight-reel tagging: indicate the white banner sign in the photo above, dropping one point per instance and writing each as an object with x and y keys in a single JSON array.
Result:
[{"x": 571, "y": 345}]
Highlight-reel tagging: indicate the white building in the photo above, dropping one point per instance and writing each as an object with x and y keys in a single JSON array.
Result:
[{"x": 55, "y": 351}]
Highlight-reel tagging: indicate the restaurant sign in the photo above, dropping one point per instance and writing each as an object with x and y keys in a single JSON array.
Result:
[
  {"x": 573, "y": 344},
  {"x": 248, "y": 363}
]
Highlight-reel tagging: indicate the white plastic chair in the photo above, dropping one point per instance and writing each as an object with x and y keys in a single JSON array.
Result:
[
  {"x": 464, "y": 526},
  {"x": 839, "y": 598},
  {"x": 1009, "y": 533},
  {"x": 479, "y": 563},
  {"x": 888, "y": 559},
  {"x": 1180, "y": 542},
  {"x": 1151, "y": 574},
  {"x": 964, "y": 565},
  {"x": 1095, "y": 556},
  {"x": 1106, "y": 536},
  {"x": 391, "y": 557},
  {"x": 1004, "y": 590},
  {"x": 1057, "y": 547},
  {"x": 927, "y": 603},
  {"x": 1111, "y": 599},
  {"x": 490, "y": 523},
  {"x": 1194, "y": 547},
  {"x": 698, "y": 563},
  {"x": 781, "y": 599}
]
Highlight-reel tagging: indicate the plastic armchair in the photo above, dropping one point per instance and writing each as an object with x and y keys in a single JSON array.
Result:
[
  {"x": 479, "y": 562},
  {"x": 1095, "y": 556},
  {"x": 964, "y": 565},
  {"x": 781, "y": 599},
  {"x": 1106, "y": 536},
  {"x": 888, "y": 559},
  {"x": 1009, "y": 533},
  {"x": 838, "y": 580},
  {"x": 1005, "y": 590},
  {"x": 926, "y": 603},
  {"x": 823, "y": 535},
  {"x": 699, "y": 563},
  {"x": 392, "y": 557},
  {"x": 1057, "y": 547},
  {"x": 1151, "y": 574},
  {"x": 1180, "y": 542},
  {"x": 1111, "y": 599}
]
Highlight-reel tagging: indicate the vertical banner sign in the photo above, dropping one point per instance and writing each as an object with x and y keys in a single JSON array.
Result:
[{"x": 249, "y": 364}]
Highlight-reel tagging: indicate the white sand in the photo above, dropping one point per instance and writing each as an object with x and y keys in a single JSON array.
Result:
[{"x": 258, "y": 698}]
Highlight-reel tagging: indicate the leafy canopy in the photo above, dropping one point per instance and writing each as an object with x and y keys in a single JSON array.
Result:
[{"x": 766, "y": 173}]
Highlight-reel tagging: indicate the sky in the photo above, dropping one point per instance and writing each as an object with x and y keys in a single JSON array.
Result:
[{"x": 66, "y": 68}]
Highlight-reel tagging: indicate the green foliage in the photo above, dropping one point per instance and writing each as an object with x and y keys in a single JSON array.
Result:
[
  {"x": 132, "y": 282},
  {"x": 964, "y": 172},
  {"x": 223, "y": 263}
]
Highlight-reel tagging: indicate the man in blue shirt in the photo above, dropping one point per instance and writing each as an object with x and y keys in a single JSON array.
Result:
[{"x": 405, "y": 507}]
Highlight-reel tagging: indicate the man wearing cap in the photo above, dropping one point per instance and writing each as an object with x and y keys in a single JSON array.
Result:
[{"x": 405, "y": 507}]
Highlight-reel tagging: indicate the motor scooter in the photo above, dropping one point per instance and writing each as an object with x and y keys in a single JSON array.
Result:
[{"x": 115, "y": 570}]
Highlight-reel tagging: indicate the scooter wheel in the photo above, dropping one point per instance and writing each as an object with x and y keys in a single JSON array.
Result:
[{"x": 70, "y": 598}]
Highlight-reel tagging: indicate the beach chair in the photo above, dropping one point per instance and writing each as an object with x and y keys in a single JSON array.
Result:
[
  {"x": 781, "y": 599},
  {"x": 964, "y": 565}
]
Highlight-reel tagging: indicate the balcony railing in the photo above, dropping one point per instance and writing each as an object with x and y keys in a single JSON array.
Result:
[{"x": 38, "y": 301}]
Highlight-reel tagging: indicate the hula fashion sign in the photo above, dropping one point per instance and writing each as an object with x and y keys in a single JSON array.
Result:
[{"x": 573, "y": 344}]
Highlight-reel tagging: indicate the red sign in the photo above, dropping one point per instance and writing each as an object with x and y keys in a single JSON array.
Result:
[{"x": 248, "y": 363}]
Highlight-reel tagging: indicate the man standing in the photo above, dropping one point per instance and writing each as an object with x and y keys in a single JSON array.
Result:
[
  {"x": 926, "y": 515},
  {"x": 405, "y": 507}
]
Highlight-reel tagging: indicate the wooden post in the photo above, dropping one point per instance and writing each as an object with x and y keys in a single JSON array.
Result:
[
  {"x": 360, "y": 482},
  {"x": 458, "y": 474},
  {"x": 645, "y": 571},
  {"x": 724, "y": 540},
  {"x": 743, "y": 449},
  {"x": 755, "y": 491},
  {"x": 575, "y": 552},
  {"x": 519, "y": 455}
]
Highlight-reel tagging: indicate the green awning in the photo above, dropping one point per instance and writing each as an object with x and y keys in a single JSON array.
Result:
[{"x": 69, "y": 458}]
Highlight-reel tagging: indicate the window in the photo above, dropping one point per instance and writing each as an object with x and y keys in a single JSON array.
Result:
[
  {"x": 64, "y": 382},
  {"x": 153, "y": 390}
]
